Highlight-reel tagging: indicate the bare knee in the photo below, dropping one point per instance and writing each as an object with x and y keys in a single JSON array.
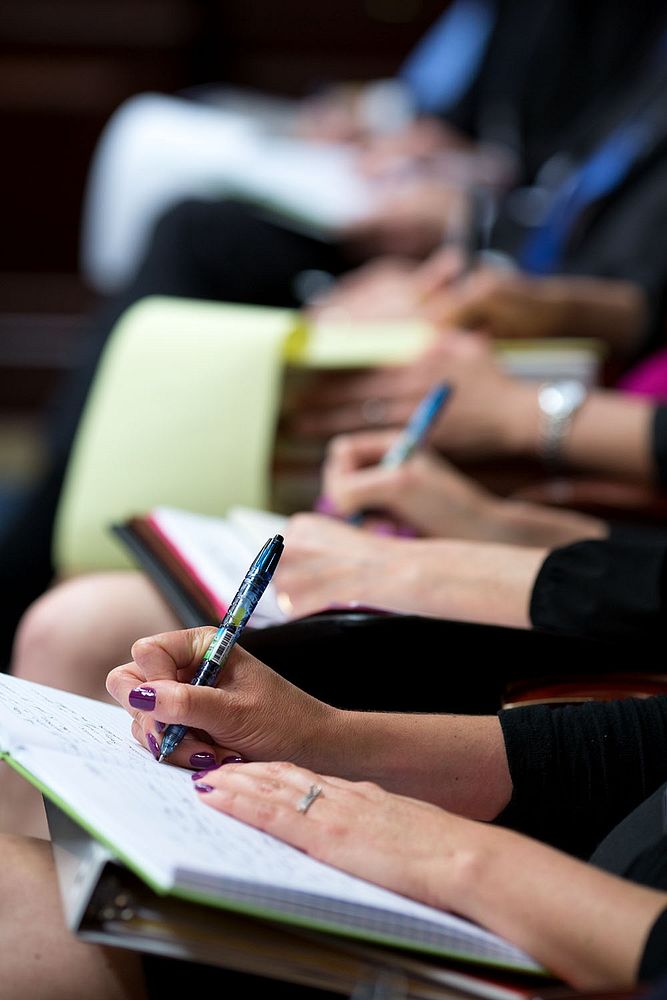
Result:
[
  {"x": 75, "y": 633},
  {"x": 46, "y": 634}
]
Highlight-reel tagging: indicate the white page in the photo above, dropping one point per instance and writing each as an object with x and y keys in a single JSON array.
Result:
[
  {"x": 218, "y": 554},
  {"x": 150, "y": 815},
  {"x": 320, "y": 184},
  {"x": 255, "y": 526}
]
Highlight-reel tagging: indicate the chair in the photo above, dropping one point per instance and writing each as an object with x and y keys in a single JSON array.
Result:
[
  {"x": 573, "y": 690},
  {"x": 610, "y": 500}
]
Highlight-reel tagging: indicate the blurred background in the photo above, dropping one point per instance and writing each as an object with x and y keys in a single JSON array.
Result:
[{"x": 66, "y": 66}]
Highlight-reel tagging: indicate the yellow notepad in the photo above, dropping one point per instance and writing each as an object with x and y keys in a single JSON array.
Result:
[{"x": 186, "y": 402}]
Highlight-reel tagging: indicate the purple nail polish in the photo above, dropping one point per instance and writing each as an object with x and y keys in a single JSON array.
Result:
[
  {"x": 153, "y": 745},
  {"x": 384, "y": 528},
  {"x": 201, "y": 786},
  {"x": 160, "y": 726},
  {"x": 406, "y": 531},
  {"x": 200, "y": 774},
  {"x": 324, "y": 505},
  {"x": 142, "y": 698},
  {"x": 202, "y": 761},
  {"x": 233, "y": 760}
]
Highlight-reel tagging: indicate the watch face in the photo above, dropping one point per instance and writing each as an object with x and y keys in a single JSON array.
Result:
[
  {"x": 561, "y": 398},
  {"x": 551, "y": 400}
]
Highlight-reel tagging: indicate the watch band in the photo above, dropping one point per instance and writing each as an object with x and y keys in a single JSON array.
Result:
[{"x": 558, "y": 402}]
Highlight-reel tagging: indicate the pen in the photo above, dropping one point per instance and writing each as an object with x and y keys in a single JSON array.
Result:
[
  {"x": 413, "y": 433},
  {"x": 239, "y": 611}
]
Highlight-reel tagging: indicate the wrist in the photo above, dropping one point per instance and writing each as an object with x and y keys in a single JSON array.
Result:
[
  {"x": 520, "y": 426},
  {"x": 520, "y": 522},
  {"x": 472, "y": 856},
  {"x": 559, "y": 401},
  {"x": 331, "y": 746}
]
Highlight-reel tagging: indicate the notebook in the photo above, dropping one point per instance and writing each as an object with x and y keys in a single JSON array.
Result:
[
  {"x": 80, "y": 754},
  {"x": 198, "y": 561}
]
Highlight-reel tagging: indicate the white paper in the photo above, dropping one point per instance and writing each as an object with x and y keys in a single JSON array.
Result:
[
  {"x": 218, "y": 552},
  {"x": 82, "y": 751}
]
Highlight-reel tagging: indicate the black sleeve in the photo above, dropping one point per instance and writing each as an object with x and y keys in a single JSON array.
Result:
[
  {"x": 624, "y": 237},
  {"x": 578, "y": 770},
  {"x": 608, "y": 588},
  {"x": 654, "y": 959},
  {"x": 659, "y": 443}
]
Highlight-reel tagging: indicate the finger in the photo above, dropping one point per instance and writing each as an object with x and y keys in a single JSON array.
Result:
[
  {"x": 174, "y": 701},
  {"x": 352, "y": 451},
  {"x": 270, "y": 797},
  {"x": 439, "y": 271},
  {"x": 376, "y": 488},
  {"x": 122, "y": 679},
  {"x": 349, "y": 453},
  {"x": 196, "y": 752},
  {"x": 310, "y": 536}
]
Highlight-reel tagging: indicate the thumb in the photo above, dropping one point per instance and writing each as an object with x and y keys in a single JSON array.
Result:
[
  {"x": 172, "y": 655},
  {"x": 368, "y": 489}
]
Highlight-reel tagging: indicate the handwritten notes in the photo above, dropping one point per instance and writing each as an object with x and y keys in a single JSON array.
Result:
[{"x": 82, "y": 753}]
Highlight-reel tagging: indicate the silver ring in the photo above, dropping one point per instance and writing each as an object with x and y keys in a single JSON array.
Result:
[
  {"x": 304, "y": 804},
  {"x": 374, "y": 411}
]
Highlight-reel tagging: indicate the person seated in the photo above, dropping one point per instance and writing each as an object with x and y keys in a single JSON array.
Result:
[
  {"x": 493, "y": 297},
  {"x": 400, "y": 803},
  {"x": 496, "y": 562},
  {"x": 228, "y": 251},
  {"x": 485, "y": 77}
]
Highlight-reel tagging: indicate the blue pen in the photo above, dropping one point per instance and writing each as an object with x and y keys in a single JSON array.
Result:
[
  {"x": 253, "y": 586},
  {"x": 413, "y": 433}
]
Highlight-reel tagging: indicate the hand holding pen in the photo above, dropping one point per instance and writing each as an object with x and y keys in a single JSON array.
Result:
[
  {"x": 241, "y": 608},
  {"x": 413, "y": 434}
]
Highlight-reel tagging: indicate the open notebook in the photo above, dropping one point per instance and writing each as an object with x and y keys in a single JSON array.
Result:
[
  {"x": 80, "y": 754},
  {"x": 197, "y": 561}
]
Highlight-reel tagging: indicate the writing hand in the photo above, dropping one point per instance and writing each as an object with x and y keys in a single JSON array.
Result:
[
  {"x": 425, "y": 492},
  {"x": 252, "y": 712}
]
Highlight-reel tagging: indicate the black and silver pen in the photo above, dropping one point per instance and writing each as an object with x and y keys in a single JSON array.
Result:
[{"x": 253, "y": 586}]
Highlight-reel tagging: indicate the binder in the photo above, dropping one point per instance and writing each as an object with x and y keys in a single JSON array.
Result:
[{"x": 106, "y": 904}]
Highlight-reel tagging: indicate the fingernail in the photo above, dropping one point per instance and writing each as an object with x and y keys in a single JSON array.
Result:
[
  {"x": 406, "y": 531},
  {"x": 142, "y": 698},
  {"x": 160, "y": 726},
  {"x": 200, "y": 774},
  {"x": 202, "y": 761},
  {"x": 383, "y": 528},
  {"x": 153, "y": 745},
  {"x": 233, "y": 760},
  {"x": 324, "y": 505},
  {"x": 201, "y": 786}
]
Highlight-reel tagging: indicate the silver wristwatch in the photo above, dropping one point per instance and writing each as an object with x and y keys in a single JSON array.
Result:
[{"x": 558, "y": 402}]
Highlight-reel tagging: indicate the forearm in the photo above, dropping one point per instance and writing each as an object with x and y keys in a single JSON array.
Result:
[
  {"x": 446, "y": 578},
  {"x": 611, "y": 434},
  {"x": 457, "y": 762},
  {"x": 531, "y": 524},
  {"x": 612, "y": 311},
  {"x": 490, "y": 584},
  {"x": 585, "y": 925}
]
